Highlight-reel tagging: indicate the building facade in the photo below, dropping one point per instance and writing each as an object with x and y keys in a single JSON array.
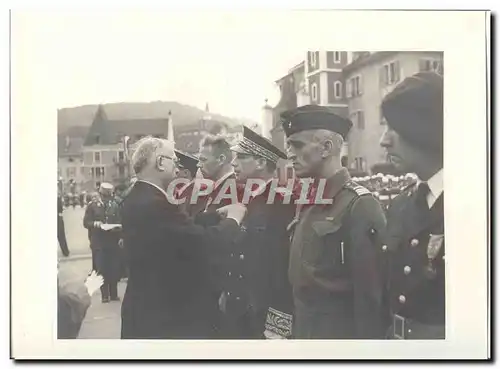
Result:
[
  {"x": 70, "y": 172},
  {"x": 353, "y": 84},
  {"x": 368, "y": 80}
]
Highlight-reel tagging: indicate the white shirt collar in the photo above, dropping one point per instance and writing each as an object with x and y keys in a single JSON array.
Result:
[{"x": 436, "y": 187}]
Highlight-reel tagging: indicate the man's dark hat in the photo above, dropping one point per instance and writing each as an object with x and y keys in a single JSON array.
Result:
[
  {"x": 187, "y": 161},
  {"x": 254, "y": 144},
  {"x": 314, "y": 117},
  {"x": 414, "y": 109}
]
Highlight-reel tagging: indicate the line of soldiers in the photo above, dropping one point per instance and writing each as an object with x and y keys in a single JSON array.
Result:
[
  {"x": 74, "y": 199},
  {"x": 348, "y": 270},
  {"x": 386, "y": 187}
]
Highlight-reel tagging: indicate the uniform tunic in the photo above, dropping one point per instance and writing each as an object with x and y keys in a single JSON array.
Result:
[
  {"x": 414, "y": 250},
  {"x": 257, "y": 294},
  {"x": 104, "y": 244},
  {"x": 334, "y": 265}
]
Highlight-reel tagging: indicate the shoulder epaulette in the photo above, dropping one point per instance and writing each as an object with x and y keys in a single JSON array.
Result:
[
  {"x": 408, "y": 188},
  {"x": 358, "y": 189}
]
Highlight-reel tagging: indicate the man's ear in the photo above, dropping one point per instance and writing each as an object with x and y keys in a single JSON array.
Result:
[
  {"x": 327, "y": 148},
  {"x": 222, "y": 159},
  {"x": 261, "y": 163}
]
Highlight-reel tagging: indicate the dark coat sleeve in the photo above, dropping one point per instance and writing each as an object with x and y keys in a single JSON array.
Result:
[
  {"x": 280, "y": 243},
  {"x": 88, "y": 218},
  {"x": 367, "y": 223},
  {"x": 72, "y": 306},
  {"x": 167, "y": 222}
]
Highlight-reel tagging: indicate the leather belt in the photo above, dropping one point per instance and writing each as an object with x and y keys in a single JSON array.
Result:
[{"x": 404, "y": 328}]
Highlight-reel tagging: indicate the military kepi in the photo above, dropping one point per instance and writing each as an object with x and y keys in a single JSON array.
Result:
[
  {"x": 414, "y": 109},
  {"x": 187, "y": 161},
  {"x": 106, "y": 186},
  {"x": 314, "y": 117},
  {"x": 254, "y": 144}
]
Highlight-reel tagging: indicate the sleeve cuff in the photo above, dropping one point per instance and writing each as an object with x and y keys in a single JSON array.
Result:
[
  {"x": 279, "y": 323},
  {"x": 237, "y": 222}
]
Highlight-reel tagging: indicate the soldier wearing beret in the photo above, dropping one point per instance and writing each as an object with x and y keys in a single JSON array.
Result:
[
  {"x": 257, "y": 297},
  {"x": 104, "y": 242},
  {"x": 414, "y": 242},
  {"x": 334, "y": 268}
]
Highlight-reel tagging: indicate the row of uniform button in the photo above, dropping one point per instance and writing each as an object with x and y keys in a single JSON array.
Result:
[
  {"x": 414, "y": 242},
  {"x": 242, "y": 256},
  {"x": 406, "y": 270},
  {"x": 228, "y": 294},
  {"x": 230, "y": 274}
]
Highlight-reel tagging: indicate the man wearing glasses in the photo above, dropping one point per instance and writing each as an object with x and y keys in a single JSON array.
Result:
[{"x": 167, "y": 293}]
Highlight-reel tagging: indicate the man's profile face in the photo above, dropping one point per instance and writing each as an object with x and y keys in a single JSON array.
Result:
[
  {"x": 399, "y": 152},
  {"x": 245, "y": 167},
  {"x": 209, "y": 162},
  {"x": 166, "y": 164},
  {"x": 304, "y": 153},
  {"x": 184, "y": 173},
  {"x": 105, "y": 193}
]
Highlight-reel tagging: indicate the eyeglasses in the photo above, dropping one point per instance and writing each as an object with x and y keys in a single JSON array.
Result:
[{"x": 175, "y": 160}]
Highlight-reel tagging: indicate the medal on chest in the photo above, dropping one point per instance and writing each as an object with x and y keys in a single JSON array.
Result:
[{"x": 434, "y": 246}]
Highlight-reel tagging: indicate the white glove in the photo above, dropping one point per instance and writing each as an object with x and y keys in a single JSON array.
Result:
[{"x": 93, "y": 282}]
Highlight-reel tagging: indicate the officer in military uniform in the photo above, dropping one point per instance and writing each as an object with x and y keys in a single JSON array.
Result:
[
  {"x": 61, "y": 232},
  {"x": 414, "y": 242},
  {"x": 334, "y": 267},
  {"x": 187, "y": 166},
  {"x": 104, "y": 242},
  {"x": 257, "y": 297}
]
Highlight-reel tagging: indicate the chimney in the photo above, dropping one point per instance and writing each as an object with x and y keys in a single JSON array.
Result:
[
  {"x": 170, "y": 132},
  {"x": 267, "y": 120}
]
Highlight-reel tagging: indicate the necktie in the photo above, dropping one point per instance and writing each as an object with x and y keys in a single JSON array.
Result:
[{"x": 421, "y": 199}]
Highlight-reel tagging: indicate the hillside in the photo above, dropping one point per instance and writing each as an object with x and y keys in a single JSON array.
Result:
[{"x": 82, "y": 116}]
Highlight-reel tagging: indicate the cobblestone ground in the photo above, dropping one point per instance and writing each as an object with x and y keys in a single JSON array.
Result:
[{"x": 102, "y": 320}]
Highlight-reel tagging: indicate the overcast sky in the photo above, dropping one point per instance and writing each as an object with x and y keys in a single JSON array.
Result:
[{"x": 228, "y": 60}]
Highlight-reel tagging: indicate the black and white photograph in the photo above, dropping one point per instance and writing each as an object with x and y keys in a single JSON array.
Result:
[{"x": 236, "y": 178}]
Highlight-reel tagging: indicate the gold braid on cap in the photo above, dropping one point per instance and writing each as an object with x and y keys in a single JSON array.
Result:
[{"x": 252, "y": 148}]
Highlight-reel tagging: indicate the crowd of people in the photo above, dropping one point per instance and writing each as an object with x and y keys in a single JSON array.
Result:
[{"x": 367, "y": 265}]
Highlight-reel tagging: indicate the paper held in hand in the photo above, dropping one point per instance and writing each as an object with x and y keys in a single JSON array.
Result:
[{"x": 108, "y": 227}]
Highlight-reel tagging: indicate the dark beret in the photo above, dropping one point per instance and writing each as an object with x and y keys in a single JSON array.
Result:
[
  {"x": 187, "y": 161},
  {"x": 414, "y": 109},
  {"x": 314, "y": 117}
]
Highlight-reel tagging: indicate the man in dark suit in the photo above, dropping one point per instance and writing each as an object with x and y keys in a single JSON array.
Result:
[
  {"x": 257, "y": 298},
  {"x": 168, "y": 292},
  {"x": 414, "y": 241}
]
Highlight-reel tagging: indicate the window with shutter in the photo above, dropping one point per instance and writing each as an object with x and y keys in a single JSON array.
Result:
[
  {"x": 314, "y": 92},
  {"x": 397, "y": 71},
  {"x": 338, "y": 89},
  {"x": 386, "y": 74},
  {"x": 360, "y": 85}
]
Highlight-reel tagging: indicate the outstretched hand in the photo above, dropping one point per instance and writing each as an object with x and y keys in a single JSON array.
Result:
[{"x": 93, "y": 282}]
